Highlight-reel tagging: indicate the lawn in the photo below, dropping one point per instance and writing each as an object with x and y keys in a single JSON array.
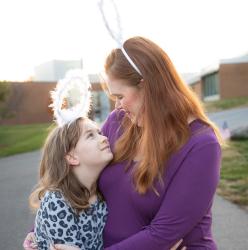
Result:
[
  {"x": 226, "y": 104},
  {"x": 234, "y": 173},
  {"x": 22, "y": 138}
]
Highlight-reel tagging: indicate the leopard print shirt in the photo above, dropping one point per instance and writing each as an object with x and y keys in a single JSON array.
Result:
[{"x": 56, "y": 222}]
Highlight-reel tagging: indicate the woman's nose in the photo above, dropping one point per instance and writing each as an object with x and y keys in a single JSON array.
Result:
[{"x": 117, "y": 104}]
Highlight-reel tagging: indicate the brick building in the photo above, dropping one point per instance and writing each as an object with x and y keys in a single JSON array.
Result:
[
  {"x": 28, "y": 102},
  {"x": 225, "y": 80}
]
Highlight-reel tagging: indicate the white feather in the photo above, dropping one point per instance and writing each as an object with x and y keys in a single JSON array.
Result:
[{"x": 75, "y": 89}]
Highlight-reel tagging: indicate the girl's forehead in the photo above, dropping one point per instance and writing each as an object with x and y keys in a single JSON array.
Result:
[{"x": 89, "y": 125}]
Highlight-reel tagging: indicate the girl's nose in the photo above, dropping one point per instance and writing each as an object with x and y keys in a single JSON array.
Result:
[{"x": 104, "y": 139}]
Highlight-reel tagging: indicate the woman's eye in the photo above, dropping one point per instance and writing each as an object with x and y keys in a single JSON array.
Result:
[{"x": 119, "y": 97}]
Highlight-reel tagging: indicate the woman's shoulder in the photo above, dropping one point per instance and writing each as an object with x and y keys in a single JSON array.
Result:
[
  {"x": 202, "y": 136},
  {"x": 112, "y": 124},
  {"x": 115, "y": 116},
  {"x": 202, "y": 133}
]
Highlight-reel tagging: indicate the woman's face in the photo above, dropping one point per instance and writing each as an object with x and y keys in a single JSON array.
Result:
[{"x": 129, "y": 98}]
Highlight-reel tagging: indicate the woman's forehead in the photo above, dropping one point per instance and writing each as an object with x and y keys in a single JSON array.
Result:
[{"x": 117, "y": 86}]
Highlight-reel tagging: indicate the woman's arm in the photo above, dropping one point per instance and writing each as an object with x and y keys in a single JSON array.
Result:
[
  {"x": 186, "y": 201},
  {"x": 30, "y": 242},
  {"x": 65, "y": 247}
]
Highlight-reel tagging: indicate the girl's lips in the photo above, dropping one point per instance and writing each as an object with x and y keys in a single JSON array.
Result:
[{"x": 106, "y": 147}]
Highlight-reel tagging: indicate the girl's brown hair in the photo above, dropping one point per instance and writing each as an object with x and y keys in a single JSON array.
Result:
[
  {"x": 55, "y": 171},
  {"x": 168, "y": 104}
]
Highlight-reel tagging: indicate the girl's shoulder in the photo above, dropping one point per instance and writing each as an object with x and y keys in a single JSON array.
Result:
[
  {"x": 53, "y": 195},
  {"x": 54, "y": 200}
]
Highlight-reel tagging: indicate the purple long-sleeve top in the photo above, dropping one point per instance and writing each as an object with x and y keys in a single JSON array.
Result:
[{"x": 183, "y": 208}]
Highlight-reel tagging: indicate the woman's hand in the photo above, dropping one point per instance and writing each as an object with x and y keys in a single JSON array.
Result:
[
  {"x": 30, "y": 242},
  {"x": 177, "y": 245},
  {"x": 63, "y": 247}
]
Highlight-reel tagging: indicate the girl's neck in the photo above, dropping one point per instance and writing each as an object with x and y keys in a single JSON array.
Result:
[
  {"x": 93, "y": 198},
  {"x": 87, "y": 177}
]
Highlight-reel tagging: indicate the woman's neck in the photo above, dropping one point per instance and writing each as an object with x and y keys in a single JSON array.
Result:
[{"x": 191, "y": 119}]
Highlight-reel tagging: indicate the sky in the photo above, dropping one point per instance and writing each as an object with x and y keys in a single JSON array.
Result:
[{"x": 194, "y": 33}]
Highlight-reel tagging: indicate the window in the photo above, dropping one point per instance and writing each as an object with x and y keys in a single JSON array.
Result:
[
  {"x": 211, "y": 85},
  {"x": 101, "y": 106}
]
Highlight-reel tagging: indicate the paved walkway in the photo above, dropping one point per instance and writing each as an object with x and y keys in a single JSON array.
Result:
[
  {"x": 235, "y": 118},
  {"x": 230, "y": 225},
  {"x": 18, "y": 176}
]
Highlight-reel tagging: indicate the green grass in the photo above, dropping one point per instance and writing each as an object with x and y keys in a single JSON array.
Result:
[
  {"x": 226, "y": 104},
  {"x": 234, "y": 173},
  {"x": 22, "y": 138}
]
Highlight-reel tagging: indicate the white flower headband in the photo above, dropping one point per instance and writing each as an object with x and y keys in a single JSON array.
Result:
[
  {"x": 117, "y": 34},
  {"x": 71, "y": 97}
]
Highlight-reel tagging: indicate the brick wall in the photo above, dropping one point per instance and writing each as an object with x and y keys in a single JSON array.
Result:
[
  {"x": 197, "y": 88},
  {"x": 233, "y": 80},
  {"x": 28, "y": 102}
]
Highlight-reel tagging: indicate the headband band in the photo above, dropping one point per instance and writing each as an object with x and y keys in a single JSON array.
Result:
[
  {"x": 130, "y": 60},
  {"x": 116, "y": 35}
]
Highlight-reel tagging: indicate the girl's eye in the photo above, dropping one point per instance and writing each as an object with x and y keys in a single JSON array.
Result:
[
  {"x": 119, "y": 97},
  {"x": 90, "y": 135}
]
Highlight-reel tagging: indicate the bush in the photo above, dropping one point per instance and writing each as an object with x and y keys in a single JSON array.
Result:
[{"x": 240, "y": 134}]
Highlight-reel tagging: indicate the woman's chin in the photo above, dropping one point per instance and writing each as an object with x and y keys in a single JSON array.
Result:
[{"x": 136, "y": 121}]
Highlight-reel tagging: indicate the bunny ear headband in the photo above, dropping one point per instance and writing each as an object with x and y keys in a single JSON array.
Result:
[
  {"x": 71, "y": 97},
  {"x": 115, "y": 32}
]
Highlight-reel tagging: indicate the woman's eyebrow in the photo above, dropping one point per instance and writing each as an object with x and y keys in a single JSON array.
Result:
[{"x": 116, "y": 94}]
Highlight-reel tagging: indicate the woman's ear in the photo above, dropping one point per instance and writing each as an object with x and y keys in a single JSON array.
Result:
[
  {"x": 72, "y": 159},
  {"x": 141, "y": 83}
]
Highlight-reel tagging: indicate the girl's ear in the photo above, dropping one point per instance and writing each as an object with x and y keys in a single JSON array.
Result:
[{"x": 72, "y": 159}]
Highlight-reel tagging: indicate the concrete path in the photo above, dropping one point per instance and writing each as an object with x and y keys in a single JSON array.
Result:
[
  {"x": 19, "y": 175},
  {"x": 235, "y": 118},
  {"x": 230, "y": 225}
]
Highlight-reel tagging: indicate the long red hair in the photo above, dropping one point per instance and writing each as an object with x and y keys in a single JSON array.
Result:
[{"x": 168, "y": 104}]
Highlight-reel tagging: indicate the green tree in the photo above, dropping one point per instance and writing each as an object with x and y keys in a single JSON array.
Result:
[{"x": 4, "y": 95}]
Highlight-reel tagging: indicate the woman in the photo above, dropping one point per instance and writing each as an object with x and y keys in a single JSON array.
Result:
[{"x": 160, "y": 185}]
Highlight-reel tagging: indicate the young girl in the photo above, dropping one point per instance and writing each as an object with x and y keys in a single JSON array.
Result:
[{"x": 71, "y": 210}]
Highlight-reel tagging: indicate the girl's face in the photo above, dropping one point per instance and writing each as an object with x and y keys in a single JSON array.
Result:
[
  {"x": 92, "y": 149},
  {"x": 129, "y": 98}
]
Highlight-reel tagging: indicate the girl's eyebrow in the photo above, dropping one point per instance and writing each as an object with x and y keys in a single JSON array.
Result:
[
  {"x": 91, "y": 130},
  {"x": 87, "y": 131}
]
